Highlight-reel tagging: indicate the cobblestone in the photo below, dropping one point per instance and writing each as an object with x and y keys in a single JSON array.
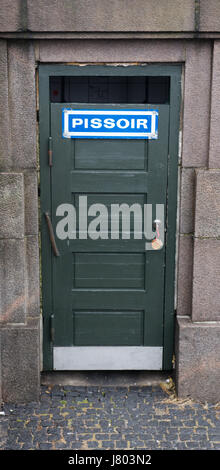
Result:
[{"x": 109, "y": 418}]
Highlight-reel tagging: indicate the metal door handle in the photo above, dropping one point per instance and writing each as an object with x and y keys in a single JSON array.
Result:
[
  {"x": 156, "y": 222},
  {"x": 51, "y": 235},
  {"x": 155, "y": 225}
]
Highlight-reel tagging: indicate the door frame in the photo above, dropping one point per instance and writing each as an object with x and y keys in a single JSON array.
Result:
[{"x": 174, "y": 72}]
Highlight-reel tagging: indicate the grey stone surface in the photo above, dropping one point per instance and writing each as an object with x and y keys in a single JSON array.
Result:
[
  {"x": 209, "y": 15},
  {"x": 117, "y": 15},
  {"x": 32, "y": 276},
  {"x": 187, "y": 200},
  {"x": 12, "y": 16},
  {"x": 11, "y": 205},
  {"x": 20, "y": 364},
  {"x": 112, "y": 51},
  {"x": 22, "y": 103},
  {"x": 184, "y": 277},
  {"x": 198, "y": 360},
  {"x": 207, "y": 218},
  {"x": 4, "y": 111},
  {"x": 31, "y": 203},
  {"x": 206, "y": 280},
  {"x": 122, "y": 417},
  {"x": 196, "y": 104},
  {"x": 102, "y": 15},
  {"x": 214, "y": 151},
  {"x": 12, "y": 283}
]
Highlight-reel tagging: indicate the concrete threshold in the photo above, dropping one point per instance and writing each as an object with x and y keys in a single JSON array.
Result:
[{"x": 105, "y": 378}]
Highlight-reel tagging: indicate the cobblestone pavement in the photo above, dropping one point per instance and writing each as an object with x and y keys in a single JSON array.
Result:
[{"x": 109, "y": 418}]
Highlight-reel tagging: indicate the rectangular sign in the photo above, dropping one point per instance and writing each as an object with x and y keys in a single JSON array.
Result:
[{"x": 110, "y": 124}]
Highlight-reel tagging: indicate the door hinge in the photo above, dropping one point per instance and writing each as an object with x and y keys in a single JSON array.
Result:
[
  {"x": 52, "y": 330},
  {"x": 50, "y": 151}
]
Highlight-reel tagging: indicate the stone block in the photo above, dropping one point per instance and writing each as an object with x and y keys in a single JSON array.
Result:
[
  {"x": 22, "y": 103},
  {"x": 102, "y": 15},
  {"x": 12, "y": 281},
  {"x": 4, "y": 111},
  {"x": 214, "y": 142},
  {"x": 196, "y": 104},
  {"x": 209, "y": 15},
  {"x": 31, "y": 202},
  {"x": 11, "y": 205},
  {"x": 112, "y": 51},
  {"x": 53, "y": 15},
  {"x": 206, "y": 280},
  {"x": 32, "y": 276},
  {"x": 207, "y": 218},
  {"x": 184, "y": 276},
  {"x": 187, "y": 200},
  {"x": 13, "y": 17},
  {"x": 198, "y": 360},
  {"x": 20, "y": 364}
]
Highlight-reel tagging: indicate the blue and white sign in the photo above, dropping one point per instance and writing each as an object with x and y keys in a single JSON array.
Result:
[{"x": 110, "y": 124}]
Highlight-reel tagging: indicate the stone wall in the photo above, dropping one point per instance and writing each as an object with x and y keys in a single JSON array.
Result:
[
  {"x": 116, "y": 16},
  {"x": 198, "y": 309},
  {"x": 198, "y": 322},
  {"x": 100, "y": 15},
  {"x": 19, "y": 251}
]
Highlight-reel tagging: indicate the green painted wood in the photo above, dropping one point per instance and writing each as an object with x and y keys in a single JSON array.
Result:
[
  {"x": 103, "y": 328},
  {"x": 175, "y": 101},
  {"x": 119, "y": 182},
  {"x": 105, "y": 70},
  {"x": 149, "y": 184},
  {"x": 157, "y": 176},
  {"x": 112, "y": 299},
  {"x": 104, "y": 154},
  {"x": 88, "y": 246},
  {"x": 116, "y": 270},
  {"x": 45, "y": 206},
  {"x": 109, "y": 199},
  {"x": 129, "y": 246}
]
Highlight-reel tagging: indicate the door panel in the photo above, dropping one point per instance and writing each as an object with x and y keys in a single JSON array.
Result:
[
  {"x": 108, "y": 292},
  {"x": 106, "y": 154},
  {"x": 116, "y": 270},
  {"x": 108, "y": 328}
]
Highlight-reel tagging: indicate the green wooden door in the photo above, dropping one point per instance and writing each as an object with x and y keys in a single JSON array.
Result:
[{"x": 108, "y": 295}]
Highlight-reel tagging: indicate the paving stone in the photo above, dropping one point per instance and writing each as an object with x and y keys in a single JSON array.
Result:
[
  {"x": 215, "y": 445},
  {"x": 45, "y": 446},
  {"x": 93, "y": 445},
  {"x": 180, "y": 446},
  {"x": 55, "y": 425},
  {"x": 121, "y": 444}
]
